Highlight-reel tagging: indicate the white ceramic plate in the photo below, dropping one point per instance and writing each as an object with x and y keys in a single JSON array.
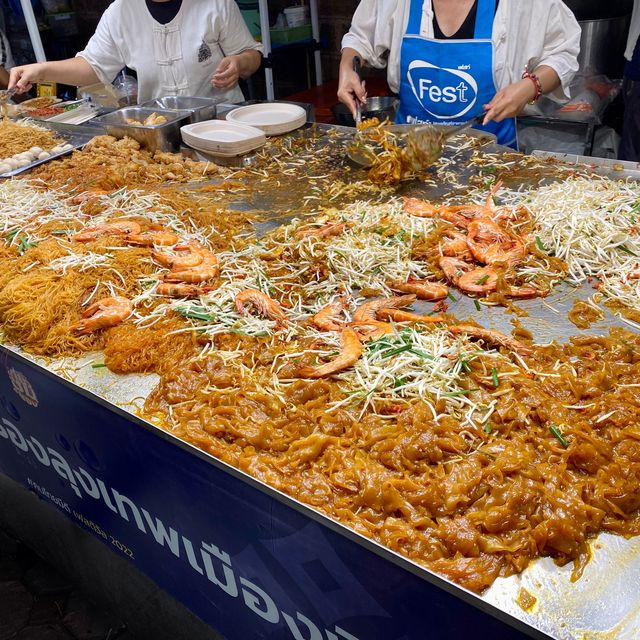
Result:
[
  {"x": 218, "y": 136},
  {"x": 273, "y": 118}
]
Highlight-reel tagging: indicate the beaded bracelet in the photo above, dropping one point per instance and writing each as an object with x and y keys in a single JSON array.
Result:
[{"x": 536, "y": 83}]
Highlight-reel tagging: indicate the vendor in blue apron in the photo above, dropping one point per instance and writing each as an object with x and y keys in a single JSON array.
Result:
[{"x": 446, "y": 54}]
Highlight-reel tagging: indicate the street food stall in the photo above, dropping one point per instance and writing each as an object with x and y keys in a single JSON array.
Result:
[{"x": 315, "y": 400}]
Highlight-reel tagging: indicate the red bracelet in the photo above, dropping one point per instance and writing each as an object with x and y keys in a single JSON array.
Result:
[{"x": 536, "y": 83}]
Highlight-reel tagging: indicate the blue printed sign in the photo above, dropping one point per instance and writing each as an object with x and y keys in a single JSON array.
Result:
[{"x": 250, "y": 562}]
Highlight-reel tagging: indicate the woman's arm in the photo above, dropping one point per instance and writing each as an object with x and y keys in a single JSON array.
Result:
[
  {"x": 511, "y": 100},
  {"x": 350, "y": 86},
  {"x": 75, "y": 71}
]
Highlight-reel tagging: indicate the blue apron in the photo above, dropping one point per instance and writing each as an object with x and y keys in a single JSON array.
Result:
[{"x": 449, "y": 81}]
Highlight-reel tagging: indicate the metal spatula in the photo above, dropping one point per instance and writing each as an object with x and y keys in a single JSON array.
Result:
[{"x": 424, "y": 143}]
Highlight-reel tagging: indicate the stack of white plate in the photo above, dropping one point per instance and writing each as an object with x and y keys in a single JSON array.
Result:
[
  {"x": 274, "y": 118},
  {"x": 221, "y": 138}
]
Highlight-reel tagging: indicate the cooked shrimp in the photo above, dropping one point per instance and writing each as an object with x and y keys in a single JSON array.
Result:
[
  {"x": 454, "y": 268},
  {"x": 490, "y": 243},
  {"x": 107, "y": 312},
  {"x": 367, "y": 312},
  {"x": 371, "y": 329},
  {"x": 179, "y": 290},
  {"x": 119, "y": 228},
  {"x": 153, "y": 237},
  {"x": 328, "y": 318},
  {"x": 420, "y": 208},
  {"x": 263, "y": 303},
  {"x": 87, "y": 195},
  {"x": 207, "y": 269},
  {"x": 426, "y": 209},
  {"x": 455, "y": 245},
  {"x": 399, "y": 315},
  {"x": 491, "y": 337},
  {"x": 484, "y": 280},
  {"x": 351, "y": 350},
  {"x": 325, "y": 231},
  {"x": 423, "y": 289},
  {"x": 183, "y": 256}
]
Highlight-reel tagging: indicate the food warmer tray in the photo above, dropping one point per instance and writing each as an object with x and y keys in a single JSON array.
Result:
[{"x": 254, "y": 563}]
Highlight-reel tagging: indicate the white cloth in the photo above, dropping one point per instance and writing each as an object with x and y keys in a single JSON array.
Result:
[
  {"x": 634, "y": 30},
  {"x": 177, "y": 58},
  {"x": 525, "y": 32}
]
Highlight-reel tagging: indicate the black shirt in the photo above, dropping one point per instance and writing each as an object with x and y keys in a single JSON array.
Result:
[
  {"x": 164, "y": 12},
  {"x": 467, "y": 29}
]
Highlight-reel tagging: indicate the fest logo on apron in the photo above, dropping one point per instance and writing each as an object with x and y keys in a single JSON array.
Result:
[{"x": 443, "y": 93}]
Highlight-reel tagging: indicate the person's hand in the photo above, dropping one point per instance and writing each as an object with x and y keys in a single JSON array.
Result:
[
  {"x": 351, "y": 89},
  {"x": 227, "y": 73},
  {"x": 510, "y": 101},
  {"x": 24, "y": 77}
]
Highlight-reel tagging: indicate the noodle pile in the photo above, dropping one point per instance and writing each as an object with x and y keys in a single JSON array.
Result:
[
  {"x": 16, "y": 137},
  {"x": 468, "y": 459}
]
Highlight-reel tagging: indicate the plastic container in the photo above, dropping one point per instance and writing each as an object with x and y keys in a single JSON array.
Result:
[
  {"x": 290, "y": 34},
  {"x": 297, "y": 16}
]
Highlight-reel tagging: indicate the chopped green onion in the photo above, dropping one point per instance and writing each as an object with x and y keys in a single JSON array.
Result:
[
  {"x": 465, "y": 366},
  {"x": 11, "y": 235},
  {"x": 478, "y": 307},
  {"x": 541, "y": 245},
  {"x": 482, "y": 280},
  {"x": 488, "y": 428},
  {"x": 556, "y": 433},
  {"x": 452, "y": 297},
  {"x": 631, "y": 253},
  {"x": 395, "y": 352},
  {"x": 455, "y": 394},
  {"x": 62, "y": 232},
  {"x": 488, "y": 170},
  {"x": 494, "y": 375},
  {"x": 98, "y": 365},
  {"x": 422, "y": 354}
]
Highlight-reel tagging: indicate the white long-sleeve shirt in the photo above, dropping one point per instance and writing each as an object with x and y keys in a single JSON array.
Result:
[
  {"x": 634, "y": 30},
  {"x": 177, "y": 58},
  {"x": 525, "y": 32}
]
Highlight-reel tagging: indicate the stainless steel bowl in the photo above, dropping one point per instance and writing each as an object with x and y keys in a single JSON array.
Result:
[
  {"x": 200, "y": 108},
  {"x": 159, "y": 137},
  {"x": 381, "y": 107}
]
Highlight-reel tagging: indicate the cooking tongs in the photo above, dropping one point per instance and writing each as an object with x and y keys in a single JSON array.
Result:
[
  {"x": 6, "y": 95},
  {"x": 357, "y": 150}
]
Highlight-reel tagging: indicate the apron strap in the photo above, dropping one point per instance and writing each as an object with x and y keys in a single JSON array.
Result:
[
  {"x": 415, "y": 17},
  {"x": 484, "y": 19}
]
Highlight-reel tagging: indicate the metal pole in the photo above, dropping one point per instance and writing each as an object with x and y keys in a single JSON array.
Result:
[
  {"x": 315, "y": 31},
  {"x": 34, "y": 33},
  {"x": 266, "y": 43}
]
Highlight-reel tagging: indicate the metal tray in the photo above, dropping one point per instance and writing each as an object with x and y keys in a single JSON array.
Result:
[
  {"x": 159, "y": 137},
  {"x": 200, "y": 108},
  {"x": 75, "y": 137}
]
